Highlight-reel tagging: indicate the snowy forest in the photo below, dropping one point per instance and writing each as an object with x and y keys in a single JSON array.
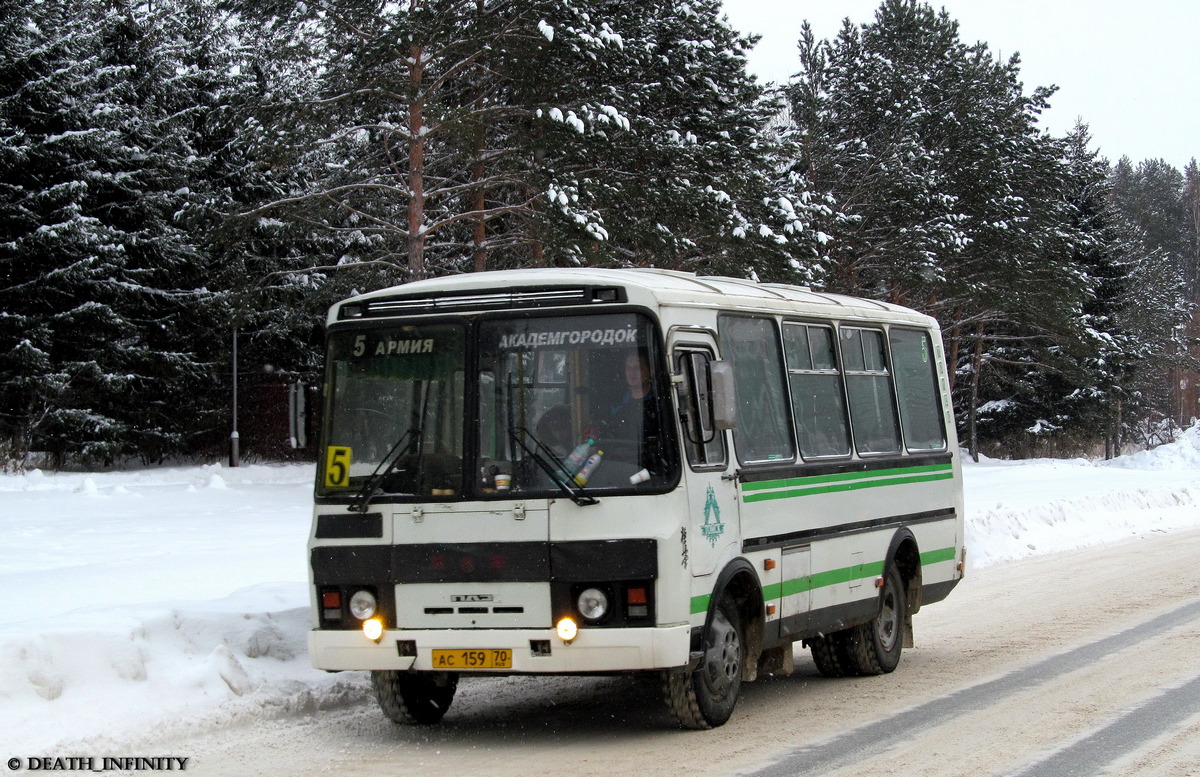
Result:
[{"x": 173, "y": 172}]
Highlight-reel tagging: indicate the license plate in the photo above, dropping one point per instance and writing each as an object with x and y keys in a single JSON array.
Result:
[{"x": 487, "y": 658}]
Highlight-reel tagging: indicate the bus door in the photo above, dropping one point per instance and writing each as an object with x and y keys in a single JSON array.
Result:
[{"x": 712, "y": 528}]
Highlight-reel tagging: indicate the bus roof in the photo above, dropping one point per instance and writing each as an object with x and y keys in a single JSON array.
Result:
[{"x": 646, "y": 286}]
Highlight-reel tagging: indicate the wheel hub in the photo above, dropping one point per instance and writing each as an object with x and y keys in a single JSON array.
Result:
[
  {"x": 722, "y": 661},
  {"x": 887, "y": 627}
]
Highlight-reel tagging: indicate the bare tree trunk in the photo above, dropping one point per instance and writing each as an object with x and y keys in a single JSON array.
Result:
[
  {"x": 537, "y": 247},
  {"x": 973, "y": 410},
  {"x": 954, "y": 340},
  {"x": 1116, "y": 432},
  {"x": 539, "y": 252},
  {"x": 478, "y": 169},
  {"x": 416, "y": 166},
  {"x": 478, "y": 203}
]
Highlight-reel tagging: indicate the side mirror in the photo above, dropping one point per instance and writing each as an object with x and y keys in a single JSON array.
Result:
[{"x": 724, "y": 398}]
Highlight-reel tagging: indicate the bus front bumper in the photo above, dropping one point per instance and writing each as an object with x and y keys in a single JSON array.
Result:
[{"x": 531, "y": 651}]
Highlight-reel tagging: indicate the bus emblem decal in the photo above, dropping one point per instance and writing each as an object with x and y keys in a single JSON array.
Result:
[{"x": 712, "y": 528}]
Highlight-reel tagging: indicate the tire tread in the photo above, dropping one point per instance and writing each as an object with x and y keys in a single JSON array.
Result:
[{"x": 413, "y": 699}]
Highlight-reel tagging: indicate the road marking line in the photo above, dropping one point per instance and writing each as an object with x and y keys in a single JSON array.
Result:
[
  {"x": 1091, "y": 754},
  {"x": 874, "y": 738}
]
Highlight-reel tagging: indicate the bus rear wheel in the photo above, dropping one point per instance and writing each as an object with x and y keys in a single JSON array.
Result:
[
  {"x": 414, "y": 697},
  {"x": 704, "y": 697},
  {"x": 874, "y": 647},
  {"x": 831, "y": 654}
]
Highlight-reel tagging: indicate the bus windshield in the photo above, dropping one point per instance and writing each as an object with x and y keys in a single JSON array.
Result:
[
  {"x": 564, "y": 403},
  {"x": 395, "y": 405},
  {"x": 575, "y": 400}
]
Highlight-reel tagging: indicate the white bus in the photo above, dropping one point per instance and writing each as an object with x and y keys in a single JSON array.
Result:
[{"x": 615, "y": 471}]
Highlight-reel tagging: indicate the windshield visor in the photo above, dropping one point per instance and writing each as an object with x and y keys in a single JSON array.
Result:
[
  {"x": 572, "y": 401},
  {"x": 395, "y": 404}
]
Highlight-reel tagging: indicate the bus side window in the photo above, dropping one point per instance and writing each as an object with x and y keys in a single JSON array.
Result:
[
  {"x": 916, "y": 384},
  {"x": 704, "y": 443},
  {"x": 869, "y": 388},
  {"x": 818, "y": 397}
]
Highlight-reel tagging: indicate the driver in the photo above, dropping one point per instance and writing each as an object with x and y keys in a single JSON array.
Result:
[
  {"x": 634, "y": 416},
  {"x": 627, "y": 416}
]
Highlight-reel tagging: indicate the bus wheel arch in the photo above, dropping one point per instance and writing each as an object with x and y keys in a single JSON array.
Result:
[
  {"x": 704, "y": 694},
  {"x": 906, "y": 556},
  {"x": 739, "y": 580}
]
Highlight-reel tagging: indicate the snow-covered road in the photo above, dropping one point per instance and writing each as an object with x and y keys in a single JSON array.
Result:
[
  {"x": 1078, "y": 663},
  {"x": 142, "y": 607}
]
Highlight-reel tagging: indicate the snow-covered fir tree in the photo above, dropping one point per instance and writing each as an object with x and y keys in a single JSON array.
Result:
[
  {"x": 173, "y": 171},
  {"x": 1150, "y": 199},
  {"x": 471, "y": 135},
  {"x": 98, "y": 289},
  {"x": 945, "y": 194}
]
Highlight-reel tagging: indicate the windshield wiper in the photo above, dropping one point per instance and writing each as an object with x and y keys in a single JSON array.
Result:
[
  {"x": 363, "y": 498},
  {"x": 552, "y": 466}
]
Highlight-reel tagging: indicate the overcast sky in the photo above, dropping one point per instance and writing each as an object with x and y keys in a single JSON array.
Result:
[{"x": 1129, "y": 68}]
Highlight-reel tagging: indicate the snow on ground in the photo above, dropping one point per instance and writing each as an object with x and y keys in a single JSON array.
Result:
[
  {"x": 1023, "y": 508},
  {"x": 138, "y": 604}
]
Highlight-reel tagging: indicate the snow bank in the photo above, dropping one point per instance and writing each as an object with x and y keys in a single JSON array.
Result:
[
  {"x": 1025, "y": 508},
  {"x": 140, "y": 604},
  {"x": 1183, "y": 455},
  {"x": 92, "y": 681},
  {"x": 138, "y": 601}
]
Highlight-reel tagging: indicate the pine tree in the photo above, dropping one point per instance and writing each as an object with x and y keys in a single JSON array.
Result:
[
  {"x": 1106, "y": 351},
  {"x": 224, "y": 65},
  {"x": 945, "y": 194},
  {"x": 482, "y": 134},
  {"x": 1149, "y": 199},
  {"x": 95, "y": 292},
  {"x": 696, "y": 181},
  {"x": 391, "y": 132}
]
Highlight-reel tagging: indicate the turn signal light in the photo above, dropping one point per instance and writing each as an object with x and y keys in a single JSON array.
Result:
[
  {"x": 373, "y": 629},
  {"x": 567, "y": 630}
]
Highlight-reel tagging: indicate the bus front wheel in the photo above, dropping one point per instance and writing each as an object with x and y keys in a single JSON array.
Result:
[
  {"x": 705, "y": 696},
  {"x": 414, "y": 697}
]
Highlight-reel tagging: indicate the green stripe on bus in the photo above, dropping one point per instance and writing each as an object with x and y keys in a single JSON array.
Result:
[
  {"x": 824, "y": 579},
  {"x": 845, "y": 486},
  {"x": 938, "y": 556},
  {"x": 843, "y": 476},
  {"x": 846, "y": 574}
]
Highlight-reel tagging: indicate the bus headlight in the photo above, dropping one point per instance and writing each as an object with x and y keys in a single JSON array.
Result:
[
  {"x": 362, "y": 605},
  {"x": 592, "y": 604}
]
